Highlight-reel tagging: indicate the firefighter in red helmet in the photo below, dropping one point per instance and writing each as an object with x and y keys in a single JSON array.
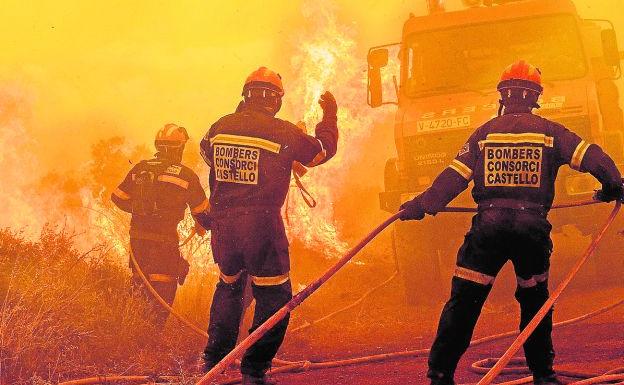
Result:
[
  {"x": 513, "y": 161},
  {"x": 156, "y": 192},
  {"x": 250, "y": 154}
]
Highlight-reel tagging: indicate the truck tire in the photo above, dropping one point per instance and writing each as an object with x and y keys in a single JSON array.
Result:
[{"x": 419, "y": 264}]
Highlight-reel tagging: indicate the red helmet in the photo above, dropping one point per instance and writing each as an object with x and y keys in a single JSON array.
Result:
[
  {"x": 264, "y": 78},
  {"x": 171, "y": 135},
  {"x": 521, "y": 75}
]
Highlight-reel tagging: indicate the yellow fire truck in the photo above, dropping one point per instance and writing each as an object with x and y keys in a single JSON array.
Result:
[{"x": 450, "y": 63}]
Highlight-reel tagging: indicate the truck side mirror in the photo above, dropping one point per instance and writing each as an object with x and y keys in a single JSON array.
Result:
[
  {"x": 610, "y": 47},
  {"x": 377, "y": 59}
]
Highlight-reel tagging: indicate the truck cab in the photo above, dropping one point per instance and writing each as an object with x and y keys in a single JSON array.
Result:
[{"x": 450, "y": 63}]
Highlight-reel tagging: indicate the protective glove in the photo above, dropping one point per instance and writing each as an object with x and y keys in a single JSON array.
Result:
[
  {"x": 412, "y": 210},
  {"x": 610, "y": 193},
  {"x": 183, "y": 270},
  {"x": 328, "y": 104},
  {"x": 204, "y": 219}
]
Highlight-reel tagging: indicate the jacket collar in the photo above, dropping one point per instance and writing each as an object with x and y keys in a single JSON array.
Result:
[
  {"x": 255, "y": 107},
  {"x": 517, "y": 109}
]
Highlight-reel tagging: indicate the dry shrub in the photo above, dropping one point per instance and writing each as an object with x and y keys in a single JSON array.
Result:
[{"x": 68, "y": 314}]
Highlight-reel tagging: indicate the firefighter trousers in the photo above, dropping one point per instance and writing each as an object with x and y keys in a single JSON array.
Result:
[
  {"x": 248, "y": 244},
  {"x": 159, "y": 261},
  {"x": 497, "y": 235}
]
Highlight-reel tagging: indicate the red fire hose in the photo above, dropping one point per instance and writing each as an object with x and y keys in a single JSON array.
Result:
[{"x": 301, "y": 296}]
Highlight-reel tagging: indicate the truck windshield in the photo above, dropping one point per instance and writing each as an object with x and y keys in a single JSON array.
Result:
[{"x": 473, "y": 57}]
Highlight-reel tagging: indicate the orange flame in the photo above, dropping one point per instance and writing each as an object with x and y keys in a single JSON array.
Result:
[{"x": 327, "y": 60}]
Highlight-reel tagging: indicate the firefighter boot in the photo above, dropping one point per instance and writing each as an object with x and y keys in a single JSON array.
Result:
[
  {"x": 439, "y": 378},
  {"x": 204, "y": 364},
  {"x": 254, "y": 380},
  {"x": 550, "y": 380}
]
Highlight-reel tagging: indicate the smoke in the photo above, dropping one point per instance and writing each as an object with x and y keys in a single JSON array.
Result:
[
  {"x": 18, "y": 163},
  {"x": 75, "y": 73},
  {"x": 145, "y": 79}
]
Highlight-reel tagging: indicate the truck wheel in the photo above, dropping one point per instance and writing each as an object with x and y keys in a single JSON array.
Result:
[{"x": 419, "y": 264}]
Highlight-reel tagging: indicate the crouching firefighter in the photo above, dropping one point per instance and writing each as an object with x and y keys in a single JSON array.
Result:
[
  {"x": 513, "y": 160},
  {"x": 156, "y": 192},
  {"x": 250, "y": 154}
]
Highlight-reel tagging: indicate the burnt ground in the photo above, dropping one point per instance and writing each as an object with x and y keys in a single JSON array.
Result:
[{"x": 594, "y": 346}]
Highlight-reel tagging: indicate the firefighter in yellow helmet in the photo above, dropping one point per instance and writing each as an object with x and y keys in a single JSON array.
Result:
[
  {"x": 250, "y": 154},
  {"x": 513, "y": 161},
  {"x": 156, "y": 192}
]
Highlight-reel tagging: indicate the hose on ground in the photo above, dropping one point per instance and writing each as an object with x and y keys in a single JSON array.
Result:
[
  {"x": 306, "y": 365},
  {"x": 519, "y": 367},
  {"x": 499, "y": 365},
  {"x": 300, "y": 366},
  {"x": 121, "y": 379}
]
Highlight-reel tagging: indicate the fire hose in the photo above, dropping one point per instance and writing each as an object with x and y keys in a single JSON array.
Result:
[
  {"x": 310, "y": 289},
  {"x": 483, "y": 366},
  {"x": 161, "y": 301},
  {"x": 306, "y": 365},
  {"x": 304, "y": 294}
]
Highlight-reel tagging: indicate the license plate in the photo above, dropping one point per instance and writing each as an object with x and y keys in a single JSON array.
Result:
[{"x": 443, "y": 123}]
